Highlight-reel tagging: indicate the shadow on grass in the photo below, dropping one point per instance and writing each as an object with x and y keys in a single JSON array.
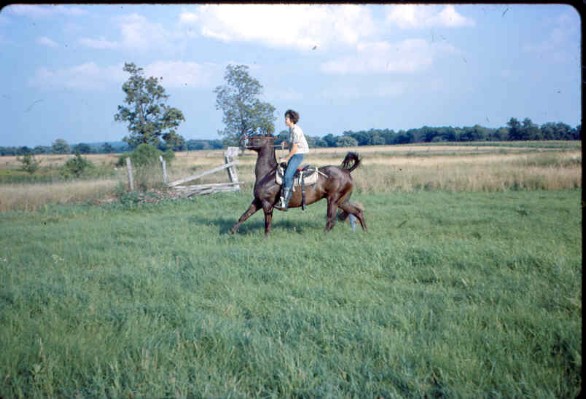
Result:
[{"x": 256, "y": 224}]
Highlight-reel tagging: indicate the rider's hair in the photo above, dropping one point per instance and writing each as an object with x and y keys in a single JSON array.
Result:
[{"x": 293, "y": 115}]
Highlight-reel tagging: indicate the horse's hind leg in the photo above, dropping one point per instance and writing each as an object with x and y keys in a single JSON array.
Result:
[
  {"x": 331, "y": 214},
  {"x": 254, "y": 206},
  {"x": 353, "y": 209}
]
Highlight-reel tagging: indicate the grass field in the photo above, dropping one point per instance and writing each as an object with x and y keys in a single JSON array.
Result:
[
  {"x": 450, "y": 294},
  {"x": 468, "y": 283}
]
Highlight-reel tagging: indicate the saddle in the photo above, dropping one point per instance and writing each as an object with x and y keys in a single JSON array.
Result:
[{"x": 304, "y": 175}]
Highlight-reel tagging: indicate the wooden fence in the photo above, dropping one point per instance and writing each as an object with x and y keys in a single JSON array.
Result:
[{"x": 189, "y": 190}]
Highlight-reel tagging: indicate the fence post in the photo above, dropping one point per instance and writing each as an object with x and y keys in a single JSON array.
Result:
[
  {"x": 164, "y": 165},
  {"x": 129, "y": 170},
  {"x": 229, "y": 155}
]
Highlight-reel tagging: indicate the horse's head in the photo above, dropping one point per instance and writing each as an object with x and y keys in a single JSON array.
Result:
[{"x": 256, "y": 142}]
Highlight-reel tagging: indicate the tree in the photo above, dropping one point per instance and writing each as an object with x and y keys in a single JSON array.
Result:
[
  {"x": 564, "y": 132},
  {"x": 346, "y": 141},
  {"x": 530, "y": 131},
  {"x": 404, "y": 137},
  {"x": 362, "y": 137},
  {"x": 515, "y": 131},
  {"x": 501, "y": 134},
  {"x": 83, "y": 148},
  {"x": 175, "y": 141},
  {"x": 330, "y": 140},
  {"x": 474, "y": 133},
  {"x": 148, "y": 117},
  {"x": 41, "y": 150},
  {"x": 376, "y": 139},
  {"x": 243, "y": 111},
  {"x": 107, "y": 148},
  {"x": 60, "y": 146}
]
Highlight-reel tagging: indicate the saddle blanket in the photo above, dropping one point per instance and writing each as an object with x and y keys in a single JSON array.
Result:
[{"x": 309, "y": 175}]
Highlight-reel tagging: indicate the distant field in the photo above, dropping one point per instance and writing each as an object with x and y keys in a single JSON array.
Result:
[
  {"x": 489, "y": 167},
  {"x": 449, "y": 294}
]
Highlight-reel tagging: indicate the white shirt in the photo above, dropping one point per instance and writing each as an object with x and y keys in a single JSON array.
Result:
[{"x": 296, "y": 136}]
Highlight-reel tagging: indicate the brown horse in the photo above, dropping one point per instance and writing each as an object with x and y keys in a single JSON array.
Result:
[{"x": 336, "y": 186}]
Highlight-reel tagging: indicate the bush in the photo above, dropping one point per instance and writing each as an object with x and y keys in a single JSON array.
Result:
[
  {"x": 76, "y": 166},
  {"x": 121, "y": 161},
  {"x": 29, "y": 163},
  {"x": 169, "y": 156},
  {"x": 145, "y": 155}
]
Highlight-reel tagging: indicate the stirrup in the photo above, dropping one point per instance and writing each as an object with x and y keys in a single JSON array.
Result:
[{"x": 281, "y": 205}]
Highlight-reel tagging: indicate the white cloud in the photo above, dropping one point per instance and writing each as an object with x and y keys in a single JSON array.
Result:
[
  {"x": 348, "y": 28},
  {"x": 45, "y": 41},
  {"x": 187, "y": 17},
  {"x": 418, "y": 16},
  {"x": 280, "y": 25},
  {"x": 407, "y": 56},
  {"x": 99, "y": 44},
  {"x": 177, "y": 74},
  {"x": 90, "y": 76},
  {"x": 136, "y": 33},
  {"x": 87, "y": 76},
  {"x": 43, "y": 11}
]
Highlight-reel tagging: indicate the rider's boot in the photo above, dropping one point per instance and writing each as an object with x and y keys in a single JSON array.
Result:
[{"x": 285, "y": 197}]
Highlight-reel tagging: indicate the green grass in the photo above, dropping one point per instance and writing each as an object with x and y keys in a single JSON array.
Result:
[{"x": 448, "y": 295}]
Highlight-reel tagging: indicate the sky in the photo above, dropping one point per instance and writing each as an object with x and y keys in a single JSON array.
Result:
[{"x": 343, "y": 67}]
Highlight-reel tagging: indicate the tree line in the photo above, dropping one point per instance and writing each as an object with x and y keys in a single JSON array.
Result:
[
  {"x": 514, "y": 131},
  {"x": 61, "y": 146},
  {"x": 151, "y": 121}
]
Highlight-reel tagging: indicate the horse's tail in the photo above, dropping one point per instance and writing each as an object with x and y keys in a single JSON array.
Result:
[{"x": 351, "y": 162}]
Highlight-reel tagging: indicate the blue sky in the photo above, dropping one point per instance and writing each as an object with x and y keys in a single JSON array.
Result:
[{"x": 342, "y": 67}]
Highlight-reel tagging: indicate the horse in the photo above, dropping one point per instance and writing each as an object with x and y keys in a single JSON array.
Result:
[{"x": 334, "y": 184}]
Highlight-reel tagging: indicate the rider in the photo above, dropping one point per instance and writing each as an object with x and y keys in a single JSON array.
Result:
[{"x": 297, "y": 148}]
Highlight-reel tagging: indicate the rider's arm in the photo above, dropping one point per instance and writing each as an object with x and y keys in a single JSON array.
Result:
[{"x": 292, "y": 151}]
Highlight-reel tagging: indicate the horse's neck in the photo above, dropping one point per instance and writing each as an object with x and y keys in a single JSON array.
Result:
[{"x": 266, "y": 162}]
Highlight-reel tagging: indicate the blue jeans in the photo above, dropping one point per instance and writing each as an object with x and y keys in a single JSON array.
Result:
[{"x": 294, "y": 162}]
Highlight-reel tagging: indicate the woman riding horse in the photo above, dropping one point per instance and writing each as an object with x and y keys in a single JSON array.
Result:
[
  {"x": 334, "y": 184},
  {"x": 297, "y": 149}
]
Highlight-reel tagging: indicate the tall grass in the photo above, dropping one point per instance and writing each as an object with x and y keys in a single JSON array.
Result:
[
  {"x": 30, "y": 197},
  {"x": 490, "y": 173},
  {"x": 448, "y": 295},
  {"x": 385, "y": 169}
]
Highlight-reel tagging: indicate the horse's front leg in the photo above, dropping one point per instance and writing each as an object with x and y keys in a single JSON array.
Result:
[
  {"x": 254, "y": 206},
  {"x": 268, "y": 218}
]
